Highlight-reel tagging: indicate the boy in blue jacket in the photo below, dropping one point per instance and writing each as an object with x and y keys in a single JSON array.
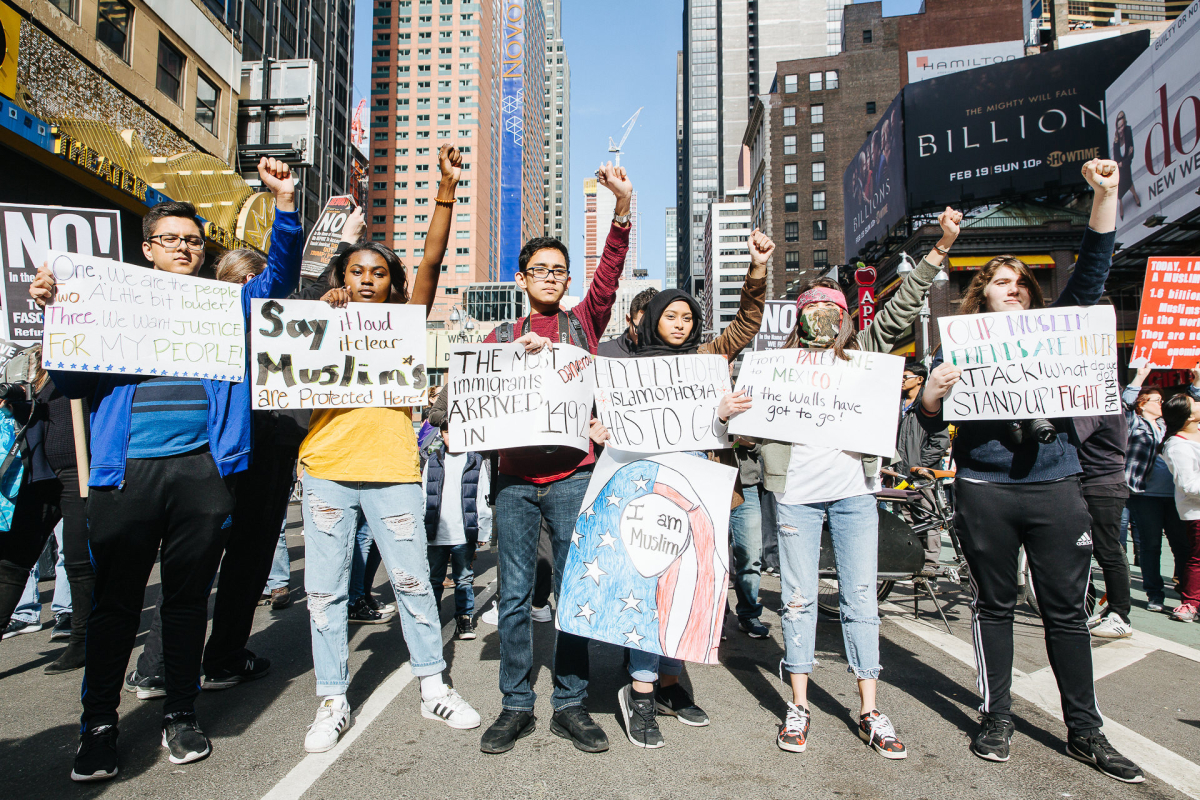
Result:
[{"x": 164, "y": 454}]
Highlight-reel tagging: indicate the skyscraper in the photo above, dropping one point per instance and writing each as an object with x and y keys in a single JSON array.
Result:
[
  {"x": 672, "y": 256},
  {"x": 557, "y": 170},
  {"x": 700, "y": 180}
]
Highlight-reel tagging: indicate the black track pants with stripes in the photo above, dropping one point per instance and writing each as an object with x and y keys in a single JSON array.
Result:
[{"x": 993, "y": 521}]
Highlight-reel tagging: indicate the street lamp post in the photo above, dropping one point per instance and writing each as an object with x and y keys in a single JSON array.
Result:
[{"x": 907, "y": 265}]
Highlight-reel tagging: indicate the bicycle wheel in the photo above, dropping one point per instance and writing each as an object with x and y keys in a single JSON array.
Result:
[{"x": 827, "y": 596}]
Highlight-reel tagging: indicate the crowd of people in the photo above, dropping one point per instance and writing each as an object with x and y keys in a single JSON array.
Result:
[{"x": 183, "y": 472}]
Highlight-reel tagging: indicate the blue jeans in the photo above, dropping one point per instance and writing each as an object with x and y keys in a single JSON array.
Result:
[
  {"x": 281, "y": 567},
  {"x": 745, "y": 529},
  {"x": 520, "y": 507},
  {"x": 360, "y": 581},
  {"x": 29, "y": 607},
  {"x": 646, "y": 667},
  {"x": 394, "y": 514},
  {"x": 854, "y": 528},
  {"x": 459, "y": 558},
  {"x": 1154, "y": 517}
]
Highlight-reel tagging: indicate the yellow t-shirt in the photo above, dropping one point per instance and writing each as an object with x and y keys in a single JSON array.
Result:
[{"x": 374, "y": 445}]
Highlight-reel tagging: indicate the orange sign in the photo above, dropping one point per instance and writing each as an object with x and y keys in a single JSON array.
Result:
[{"x": 1168, "y": 331}]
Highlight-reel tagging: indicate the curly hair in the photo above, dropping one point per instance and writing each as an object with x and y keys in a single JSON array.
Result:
[
  {"x": 399, "y": 292},
  {"x": 973, "y": 300},
  {"x": 847, "y": 337}
]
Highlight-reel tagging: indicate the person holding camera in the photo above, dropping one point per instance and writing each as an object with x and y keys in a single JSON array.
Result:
[{"x": 1018, "y": 485}]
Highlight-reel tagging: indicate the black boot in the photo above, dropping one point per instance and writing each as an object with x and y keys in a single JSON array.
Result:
[
  {"x": 12, "y": 585},
  {"x": 68, "y": 660}
]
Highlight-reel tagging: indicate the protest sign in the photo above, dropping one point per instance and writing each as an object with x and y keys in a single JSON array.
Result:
[
  {"x": 502, "y": 397},
  {"x": 647, "y": 566},
  {"x": 814, "y": 397},
  {"x": 114, "y": 317},
  {"x": 326, "y": 234},
  {"x": 27, "y": 234},
  {"x": 1046, "y": 362},
  {"x": 308, "y": 354},
  {"x": 1168, "y": 329},
  {"x": 8, "y": 350},
  {"x": 662, "y": 404},
  {"x": 779, "y": 317}
]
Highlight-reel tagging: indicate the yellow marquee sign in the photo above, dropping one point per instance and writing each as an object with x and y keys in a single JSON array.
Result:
[{"x": 10, "y": 39}]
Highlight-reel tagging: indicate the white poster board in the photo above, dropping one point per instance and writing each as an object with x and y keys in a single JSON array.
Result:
[
  {"x": 647, "y": 566},
  {"x": 308, "y": 354},
  {"x": 502, "y": 397},
  {"x": 814, "y": 397},
  {"x": 1049, "y": 362},
  {"x": 114, "y": 317},
  {"x": 662, "y": 404}
]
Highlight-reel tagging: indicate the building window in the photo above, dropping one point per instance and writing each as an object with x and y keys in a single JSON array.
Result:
[
  {"x": 870, "y": 106},
  {"x": 818, "y": 143},
  {"x": 65, "y": 6},
  {"x": 816, "y": 114},
  {"x": 818, "y": 171},
  {"x": 831, "y": 79},
  {"x": 789, "y": 173},
  {"x": 789, "y": 145},
  {"x": 789, "y": 116},
  {"x": 791, "y": 260},
  {"x": 112, "y": 26},
  {"x": 790, "y": 83},
  {"x": 207, "y": 96},
  {"x": 791, "y": 202},
  {"x": 820, "y": 229},
  {"x": 867, "y": 36},
  {"x": 791, "y": 231},
  {"x": 820, "y": 258},
  {"x": 170, "y": 69},
  {"x": 814, "y": 81},
  {"x": 818, "y": 201}
]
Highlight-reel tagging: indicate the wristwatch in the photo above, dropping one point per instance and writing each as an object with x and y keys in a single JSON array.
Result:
[{"x": 621, "y": 219}]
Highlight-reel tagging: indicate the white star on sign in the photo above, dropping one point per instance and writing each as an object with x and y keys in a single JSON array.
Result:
[
  {"x": 634, "y": 638},
  {"x": 613, "y": 500},
  {"x": 586, "y": 612},
  {"x": 590, "y": 511},
  {"x": 576, "y": 537},
  {"x": 641, "y": 485},
  {"x": 655, "y": 617},
  {"x": 607, "y": 540},
  {"x": 593, "y": 571},
  {"x": 631, "y": 603}
]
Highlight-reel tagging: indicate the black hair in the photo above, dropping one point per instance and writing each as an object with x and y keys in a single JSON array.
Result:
[
  {"x": 1176, "y": 411},
  {"x": 399, "y": 292},
  {"x": 917, "y": 369},
  {"x": 640, "y": 301},
  {"x": 542, "y": 243},
  {"x": 163, "y": 210}
]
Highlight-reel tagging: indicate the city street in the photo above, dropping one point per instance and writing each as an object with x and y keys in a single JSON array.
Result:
[{"x": 1147, "y": 693}]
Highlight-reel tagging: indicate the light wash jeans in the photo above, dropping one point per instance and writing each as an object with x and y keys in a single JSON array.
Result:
[
  {"x": 854, "y": 528},
  {"x": 29, "y": 607},
  {"x": 281, "y": 567},
  {"x": 395, "y": 514},
  {"x": 646, "y": 667}
]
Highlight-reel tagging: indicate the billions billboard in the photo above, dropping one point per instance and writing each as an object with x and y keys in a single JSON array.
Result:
[
  {"x": 1154, "y": 129},
  {"x": 873, "y": 184},
  {"x": 1017, "y": 127}
]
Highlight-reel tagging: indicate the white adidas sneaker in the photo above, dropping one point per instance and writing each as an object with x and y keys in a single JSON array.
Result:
[
  {"x": 451, "y": 709},
  {"x": 333, "y": 717},
  {"x": 1113, "y": 627}
]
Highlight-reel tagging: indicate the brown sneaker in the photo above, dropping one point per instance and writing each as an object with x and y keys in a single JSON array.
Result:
[{"x": 280, "y": 598}]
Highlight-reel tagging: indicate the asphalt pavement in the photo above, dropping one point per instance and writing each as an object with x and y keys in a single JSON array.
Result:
[{"x": 1146, "y": 686}]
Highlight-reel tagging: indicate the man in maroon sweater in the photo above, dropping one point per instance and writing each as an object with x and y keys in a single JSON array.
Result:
[{"x": 534, "y": 483}]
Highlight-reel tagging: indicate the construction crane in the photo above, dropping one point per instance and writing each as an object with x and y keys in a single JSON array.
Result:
[{"x": 613, "y": 147}]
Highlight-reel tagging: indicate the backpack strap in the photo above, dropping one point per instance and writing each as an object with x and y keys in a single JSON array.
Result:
[{"x": 504, "y": 333}]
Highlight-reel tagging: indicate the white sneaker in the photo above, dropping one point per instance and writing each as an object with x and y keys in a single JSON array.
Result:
[
  {"x": 451, "y": 709},
  {"x": 491, "y": 616},
  {"x": 333, "y": 717},
  {"x": 1113, "y": 627},
  {"x": 543, "y": 614}
]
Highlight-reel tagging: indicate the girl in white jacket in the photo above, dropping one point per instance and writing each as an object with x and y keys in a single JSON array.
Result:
[{"x": 1181, "y": 451}]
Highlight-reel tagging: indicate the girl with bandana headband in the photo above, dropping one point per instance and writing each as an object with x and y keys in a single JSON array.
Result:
[{"x": 811, "y": 483}]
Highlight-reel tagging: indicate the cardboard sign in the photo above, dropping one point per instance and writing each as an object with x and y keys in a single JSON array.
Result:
[
  {"x": 662, "y": 404},
  {"x": 1168, "y": 330},
  {"x": 326, "y": 234},
  {"x": 502, "y": 397},
  {"x": 1049, "y": 362},
  {"x": 27, "y": 234},
  {"x": 114, "y": 317},
  {"x": 647, "y": 566},
  {"x": 814, "y": 397},
  {"x": 308, "y": 354}
]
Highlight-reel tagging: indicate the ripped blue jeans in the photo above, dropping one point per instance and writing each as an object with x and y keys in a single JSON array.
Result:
[
  {"x": 395, "y": 513},
  {"x": 854, "y": 528}
]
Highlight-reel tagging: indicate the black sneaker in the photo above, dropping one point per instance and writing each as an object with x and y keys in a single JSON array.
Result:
[
  {"x": 576, "y": 724},
  {"x": 361, "y": 613},
  {"x": 992, "y": 741},
  {"x": 674, "y": 701},
  {"x": 147, "y": 687},
  {"x": 62, "y": 626},
  {"x": 386, "y": 609},
  {"x": 183, "y": 737},
  {"x": 754, "y": 628},
  {"x": 68, "y": 660},
  {"x": 17, "y": 627},
  {"x": 508, "y": 727},
  {"x": 1096, "y": 750},
  {"x": 464, "y": 627},
  {"x": 640, "y": 724},
  {"x": 247, "y": 668},
  {"x": 96, "y": 758}
]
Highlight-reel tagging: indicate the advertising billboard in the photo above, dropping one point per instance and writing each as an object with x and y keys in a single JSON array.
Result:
[
  {"x": 1019, "y": 126},
  {"x": 512, "y": 137},
  {"x": 926, "y": 64},
  {"x": 1153, "y": 121},
  {"x": 873, "y": 184}
]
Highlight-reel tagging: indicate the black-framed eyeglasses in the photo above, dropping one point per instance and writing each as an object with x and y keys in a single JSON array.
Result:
[
  {"x": 171, "y": 241},
  {"x": 541, "y": 273}
]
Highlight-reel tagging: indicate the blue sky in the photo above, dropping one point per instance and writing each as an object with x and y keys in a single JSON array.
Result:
[{"x": 622, "y": 56}]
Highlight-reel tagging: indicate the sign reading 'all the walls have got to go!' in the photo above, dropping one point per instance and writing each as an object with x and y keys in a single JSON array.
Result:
[{"x": 118, "y": 318}]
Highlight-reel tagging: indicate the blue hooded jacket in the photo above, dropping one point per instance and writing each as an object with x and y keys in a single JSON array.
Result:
[{"x": 229, "y": 432}]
